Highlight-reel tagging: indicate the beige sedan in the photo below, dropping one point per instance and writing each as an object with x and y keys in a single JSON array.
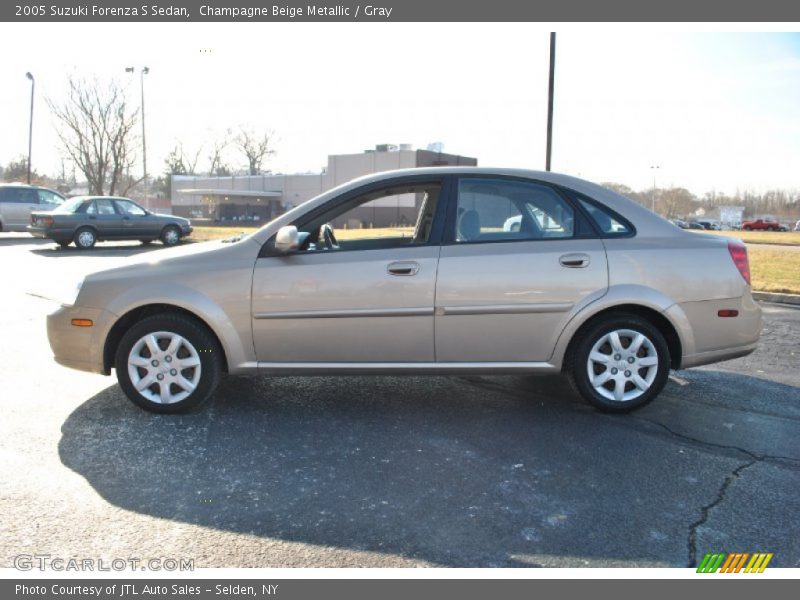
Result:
[{"x": 417, "y": 271}]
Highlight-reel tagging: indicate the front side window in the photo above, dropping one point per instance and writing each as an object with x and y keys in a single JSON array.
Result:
[
  {"x": 126, "y": 207},
  {"x": 49, "y": 199},
  {"x": 400, "y": 215},
  {"x": 101, "y": 206},
  {"x": 492, "y": 210}
]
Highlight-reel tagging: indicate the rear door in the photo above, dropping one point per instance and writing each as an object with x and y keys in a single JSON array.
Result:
[
  {"x": 518, "y": 257},
  {"x": 102, "y": 215}
]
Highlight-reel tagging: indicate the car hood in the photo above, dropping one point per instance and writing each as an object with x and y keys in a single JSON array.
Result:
[{"x": 175, "y": 261}]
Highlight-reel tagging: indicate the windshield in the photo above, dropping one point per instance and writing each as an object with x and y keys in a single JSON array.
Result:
[{"x": 70, "y": 206}]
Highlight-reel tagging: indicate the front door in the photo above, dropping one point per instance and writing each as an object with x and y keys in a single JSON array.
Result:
[
  {"x": 360, "y": 289},
  {"x": 518, "y": 258}
]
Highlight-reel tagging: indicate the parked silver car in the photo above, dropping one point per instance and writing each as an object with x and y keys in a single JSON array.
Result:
[
  {"x": 608, "y": 293},
  {"x": 18, "y": 201}
]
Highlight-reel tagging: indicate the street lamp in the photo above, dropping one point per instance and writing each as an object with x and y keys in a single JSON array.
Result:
[
  {"x": 30, "y": 126},
  {"x": 143, "y": 72},
  {"x": 653, "y": 195}
]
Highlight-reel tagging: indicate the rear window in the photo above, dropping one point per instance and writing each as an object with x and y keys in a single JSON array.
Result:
[
  {"x": 606, "y": 221},
  {"x": 70, "y": 207}
]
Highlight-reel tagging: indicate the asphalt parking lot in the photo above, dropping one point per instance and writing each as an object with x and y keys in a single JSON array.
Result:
[{"x": 389, "y": 471}]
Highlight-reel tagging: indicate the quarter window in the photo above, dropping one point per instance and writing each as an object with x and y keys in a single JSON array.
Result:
[
  {"x": 606, "y": 222},
  {"x": 490, "y": 210}
]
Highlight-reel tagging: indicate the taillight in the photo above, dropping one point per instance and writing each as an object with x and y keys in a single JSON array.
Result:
[{"x": 739, "y": 256}]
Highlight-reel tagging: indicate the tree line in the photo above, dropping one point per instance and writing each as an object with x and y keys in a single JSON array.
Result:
[
  {"x": 99, "y": 134},
  {"x": 680, "y": 203}
]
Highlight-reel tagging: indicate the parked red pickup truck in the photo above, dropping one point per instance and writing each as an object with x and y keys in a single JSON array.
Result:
[{"x": 761, "y": 224}]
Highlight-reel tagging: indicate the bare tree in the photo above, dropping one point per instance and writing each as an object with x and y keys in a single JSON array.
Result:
[
  {"x": 181, "y": 162},
  {"x": 255, "y": 147},
  {"x": 96, "y": 129},
  {"x": 17, "y": 170},
  {"x": 218, "y": 166}
]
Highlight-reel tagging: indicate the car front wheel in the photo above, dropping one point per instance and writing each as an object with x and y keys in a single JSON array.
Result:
[
  {"x": 168, "y": 363},
  {"x": 619, "y": 363},
  {"x": 170, "y": 236}
]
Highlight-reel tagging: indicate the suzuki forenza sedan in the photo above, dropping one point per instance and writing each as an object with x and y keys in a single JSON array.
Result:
[{"x": 417, "y": 271}]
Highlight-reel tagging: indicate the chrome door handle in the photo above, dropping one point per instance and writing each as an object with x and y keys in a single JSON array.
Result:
[
  {"x": 574, "y": 261},
  {"x": 403, "y": 268}
]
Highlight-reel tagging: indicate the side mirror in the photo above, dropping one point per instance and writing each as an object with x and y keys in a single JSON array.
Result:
[{"x": 287, "y": 239}]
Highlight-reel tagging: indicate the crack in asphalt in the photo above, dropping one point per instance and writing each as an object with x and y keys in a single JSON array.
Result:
[
  {"x": 705, "y": 511},
  {"x": 700, "y": 442}
]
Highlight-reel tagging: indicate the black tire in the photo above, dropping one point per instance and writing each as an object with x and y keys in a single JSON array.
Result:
[
  {"x": 83, "y": 240},
  {"x": 198, "y": 336},
  {"x": 578, "y": 363},
  {"x": 170, "y": 235}
]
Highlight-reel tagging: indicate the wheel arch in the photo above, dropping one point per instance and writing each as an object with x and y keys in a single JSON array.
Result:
[
  {"x": 137, "y": 314},
  {"x": 655, "y": 317}
]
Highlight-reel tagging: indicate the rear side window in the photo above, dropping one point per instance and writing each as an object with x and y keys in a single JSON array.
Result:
[
  {"x": 605, "y": 220},
  {"x": 494, "y": 210}
]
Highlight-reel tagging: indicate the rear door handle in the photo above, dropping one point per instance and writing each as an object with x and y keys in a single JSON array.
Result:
[
  {"x": 403, "y": 267},
  {"x": 574, "y": 261}
]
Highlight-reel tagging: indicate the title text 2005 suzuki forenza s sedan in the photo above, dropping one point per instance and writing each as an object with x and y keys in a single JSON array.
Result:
[{"x": 415, "y": 271}]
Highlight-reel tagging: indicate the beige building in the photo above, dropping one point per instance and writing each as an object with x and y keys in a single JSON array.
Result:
[{"x": 263, "y": 197}]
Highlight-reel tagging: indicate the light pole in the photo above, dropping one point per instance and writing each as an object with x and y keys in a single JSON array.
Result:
[
  {"x": 30, "y": 126},
  {"x": 550, "y": 92},
  {"x": 142, "y": 73},
  {"x": 653, "y": 195}
]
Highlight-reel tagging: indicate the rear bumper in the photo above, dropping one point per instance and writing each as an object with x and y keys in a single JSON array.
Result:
[
  {"x": 712, "y": 338},
  {"x": 79, "y": 348},
  {"x": 713, "y": 356}
]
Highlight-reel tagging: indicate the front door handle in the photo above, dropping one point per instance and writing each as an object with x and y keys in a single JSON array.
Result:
[
  {"x": 403, "y": 267},
  {"x": 574, "y": 261}
]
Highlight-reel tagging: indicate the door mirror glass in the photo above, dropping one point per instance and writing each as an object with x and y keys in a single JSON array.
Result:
[{"x": 287, "y": 239}]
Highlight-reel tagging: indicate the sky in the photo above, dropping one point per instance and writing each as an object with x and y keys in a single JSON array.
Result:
[{"x": 713, "y": 110}]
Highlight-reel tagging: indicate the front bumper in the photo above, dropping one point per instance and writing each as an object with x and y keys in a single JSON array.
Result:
[{"x": 79, "y": 348}]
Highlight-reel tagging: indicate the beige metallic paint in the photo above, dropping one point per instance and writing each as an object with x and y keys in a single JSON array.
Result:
[{"x": 682, "y": 276}]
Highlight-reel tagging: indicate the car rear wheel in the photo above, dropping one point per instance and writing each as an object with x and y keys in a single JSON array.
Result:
[
  {"x": 619, "y": 363},
  {"x": 85, "y": 238},
  {"x": 170, "y": 236},
  {"x": 168, "y": 364}
]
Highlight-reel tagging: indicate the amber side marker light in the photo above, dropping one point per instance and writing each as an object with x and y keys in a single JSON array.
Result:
[
  {"x": 82, "y": 322},
  {"x": 727, "y": 313}
]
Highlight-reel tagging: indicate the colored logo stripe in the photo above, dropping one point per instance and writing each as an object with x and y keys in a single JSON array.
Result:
[{"x": 734, "y": 562}]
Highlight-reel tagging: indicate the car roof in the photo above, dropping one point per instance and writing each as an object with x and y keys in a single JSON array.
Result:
[
  {"x": 101, "y": 198},
  {"x": 33, "y": 186}
]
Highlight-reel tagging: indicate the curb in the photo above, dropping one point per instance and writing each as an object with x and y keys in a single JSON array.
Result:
[{"x": 792, "y": 299}]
